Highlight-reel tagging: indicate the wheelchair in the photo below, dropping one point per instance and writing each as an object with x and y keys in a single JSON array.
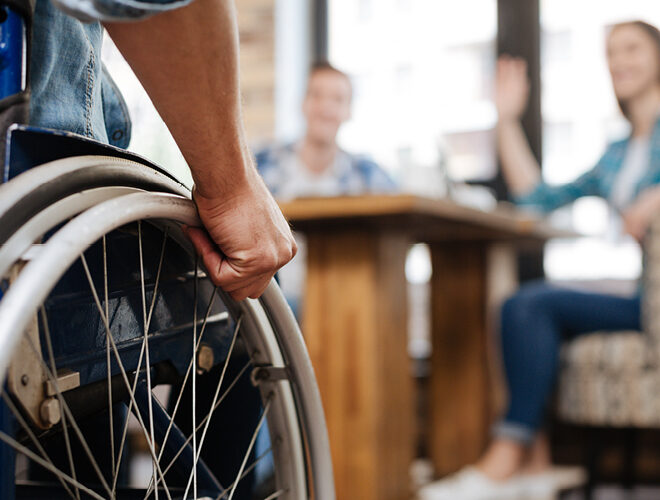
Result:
[{"x": 115, "y": 345}]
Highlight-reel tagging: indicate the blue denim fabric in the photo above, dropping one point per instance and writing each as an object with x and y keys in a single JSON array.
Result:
[
  {"x": 596, "y": 182},
  {"x": 534, "y": 323},
  {"x": 117, "y": 10},
  {"x": 71, "y": 89}
]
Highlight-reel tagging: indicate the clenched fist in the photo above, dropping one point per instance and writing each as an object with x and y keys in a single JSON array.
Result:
[{"x": 246, "y": 238}]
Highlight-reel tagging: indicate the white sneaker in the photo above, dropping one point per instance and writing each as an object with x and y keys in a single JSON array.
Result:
[
  {"x": 538, "y": 487},
  {"x": 548, "y": 484},
  {"x": 470, "y": 484},
  {"x": 568, "y": 477}
]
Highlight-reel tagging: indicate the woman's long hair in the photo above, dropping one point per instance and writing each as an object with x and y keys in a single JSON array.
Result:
[{"x": 654, "y": 34}]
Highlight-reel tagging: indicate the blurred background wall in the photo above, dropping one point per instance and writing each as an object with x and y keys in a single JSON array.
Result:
[
  {"x": 423, "y": 77},
  {"x": 257, "y": 35}
]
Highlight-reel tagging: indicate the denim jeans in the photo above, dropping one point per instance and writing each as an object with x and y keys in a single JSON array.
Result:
[
  {"x": 534, "y": 323},
  {"x": 71, "y": 89}
]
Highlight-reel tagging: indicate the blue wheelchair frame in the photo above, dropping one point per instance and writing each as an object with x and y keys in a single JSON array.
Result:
[{"x": 13, "y": 52}]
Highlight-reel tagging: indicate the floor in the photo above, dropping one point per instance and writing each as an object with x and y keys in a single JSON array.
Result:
[
  {"x": 422, "y": 472},
  {"x": 614, "y": 493}
]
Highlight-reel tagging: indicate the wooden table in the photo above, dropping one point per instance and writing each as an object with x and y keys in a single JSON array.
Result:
[{"x": 355, "y": 323}]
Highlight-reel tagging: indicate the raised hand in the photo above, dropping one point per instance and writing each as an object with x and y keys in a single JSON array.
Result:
[{"x": 511, "y": 88}]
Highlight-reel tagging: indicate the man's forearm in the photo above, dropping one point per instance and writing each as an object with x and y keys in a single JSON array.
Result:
[{"x": 187, "y": 60}]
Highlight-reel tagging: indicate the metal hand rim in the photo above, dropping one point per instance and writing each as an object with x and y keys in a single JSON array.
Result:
[{"x": 68, "y": 243}]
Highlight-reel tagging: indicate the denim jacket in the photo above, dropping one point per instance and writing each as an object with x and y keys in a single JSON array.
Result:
[
  {"x": 598, "y": 181},
  {"x": 71, "y": 89}
]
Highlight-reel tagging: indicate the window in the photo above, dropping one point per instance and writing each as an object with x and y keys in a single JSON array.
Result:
[{"x": 422, "y": 73}]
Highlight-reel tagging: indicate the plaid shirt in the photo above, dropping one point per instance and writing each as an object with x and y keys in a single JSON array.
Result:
[
  {"x": 357, "y": 175},
  {"x": 598, "y": 181}
]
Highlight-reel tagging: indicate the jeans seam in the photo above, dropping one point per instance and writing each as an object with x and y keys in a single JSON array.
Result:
[
  {"x": 127, "y": 125},
  {"x": 89, "y": 91}
]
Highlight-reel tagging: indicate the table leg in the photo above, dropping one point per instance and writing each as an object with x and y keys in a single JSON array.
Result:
[
  {"x": 354, "y": 323},
  {"x": 460, "y": 404}
]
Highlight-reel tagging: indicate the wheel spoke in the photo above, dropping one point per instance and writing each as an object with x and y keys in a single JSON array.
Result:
[
  {"x": 37, "y": 459},
  {"x": 158, "y": 273},
  {"x": 65, "y": 430},
  {"x": 193, "y": 475},
  {"x": 251, "y": 445},
  {"x": 107, "y": 361},
  {"x": 51, "y": 373},
  {"x": 277, "y": 494},
  {"x": 110, "y": 341},
  {"x": 146, "y": 343},
  {"x": 246, "y": 471},
  {"x": 124, "y": 433},
  {"x": 183, "y": 386},
  {"x": 224, "y": 395},
  {"x": 144, "y": 347},
  {"x": 33, "y": 438},
  {"x": 124, "y": 375},
  {"x": 217, "y": 390},
  {"x": 196, "y": 453},
  {"x": 189, "y": 369}
]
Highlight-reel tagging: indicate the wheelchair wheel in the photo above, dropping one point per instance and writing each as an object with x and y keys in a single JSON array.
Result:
[{"x": 110, "y": 329}]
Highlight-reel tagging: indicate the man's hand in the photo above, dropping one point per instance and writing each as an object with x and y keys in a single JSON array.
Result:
[
  {"x": 249, "y": 238},
  {"x": 638, "y": 216}
]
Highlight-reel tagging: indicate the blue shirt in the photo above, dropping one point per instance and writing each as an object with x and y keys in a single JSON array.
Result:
[
  {"x": 598, "y": 181},
  {"x": 71, "y": 89},
  {"x": 351, "y": 174}
]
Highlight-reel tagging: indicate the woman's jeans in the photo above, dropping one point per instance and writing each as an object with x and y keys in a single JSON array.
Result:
[{"x": 534, "y": 323}]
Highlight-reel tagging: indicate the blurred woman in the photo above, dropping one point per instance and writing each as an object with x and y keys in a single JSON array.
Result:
[{"x": 540, "y": 316}]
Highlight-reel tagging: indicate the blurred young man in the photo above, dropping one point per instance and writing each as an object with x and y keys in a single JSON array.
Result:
[{"x": 315, "y": 165}]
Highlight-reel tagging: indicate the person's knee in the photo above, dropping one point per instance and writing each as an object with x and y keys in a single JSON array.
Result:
[
  {"x": 526, "y": 304},
  {"x": 520, "y": 302}
]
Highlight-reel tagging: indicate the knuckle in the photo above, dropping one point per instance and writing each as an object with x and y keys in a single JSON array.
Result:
[
  {"x": 285, "y": 253},
  {"x": 293, "y": 249},
  {"x": 268, "y": 262},
  {"x": 215, "y": 279}
]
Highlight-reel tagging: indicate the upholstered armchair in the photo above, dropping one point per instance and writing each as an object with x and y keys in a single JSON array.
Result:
[{"x": 613, "y": 379}]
